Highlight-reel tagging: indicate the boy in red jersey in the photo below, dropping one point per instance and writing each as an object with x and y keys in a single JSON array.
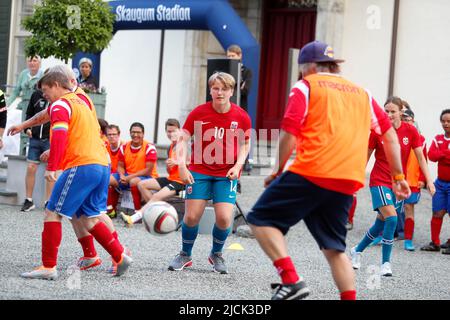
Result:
[
  {"x": 440, "y": 152},
  {"x": 81, "y": 189},
  {"x": 384, "y": 201},
  {"x": 221, "y": 132},
  {"x": 329, "y": 168}
]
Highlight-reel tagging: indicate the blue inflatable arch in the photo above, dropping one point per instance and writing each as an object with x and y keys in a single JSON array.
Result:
[{"x": 215, "y": 15}]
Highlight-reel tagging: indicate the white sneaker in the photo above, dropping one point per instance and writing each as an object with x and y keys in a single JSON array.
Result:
[
  {"x": 386, "y": 270},
  {"x": 356, "y": 258}
]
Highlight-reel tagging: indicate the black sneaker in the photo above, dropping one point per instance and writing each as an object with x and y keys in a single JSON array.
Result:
[
  {"x": 27, "y": 206},
  {"x": 295, "y": 291},
  {"x": 446, "y": 245},
  {"x": 446, "y": 251},
  {"x": 431, "y": 247}
]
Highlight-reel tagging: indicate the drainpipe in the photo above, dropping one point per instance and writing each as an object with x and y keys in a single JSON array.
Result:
[
  {"x": 158, "y": 94},
  {"x": 393, "y": 47}
]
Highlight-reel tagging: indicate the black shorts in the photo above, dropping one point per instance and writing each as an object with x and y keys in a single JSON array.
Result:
[
  {"x": 291, "y": 198},
  {"x": 171, "y": 185}
]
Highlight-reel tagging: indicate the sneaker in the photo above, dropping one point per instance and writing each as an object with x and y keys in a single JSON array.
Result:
[
  {"x": 85, "y": 263},
  {"x": 27, "y": 206},
  {"x": 113, "y": 268},
  {"x": 218, "y": 262},
  {"x": 295, "y": 291},
  {"x": 376, "y": 241},
  {"x": 45, "y": 204},
  {"x": 41, "y": 273},
  {"x": 349, "y": 226},
  {"x": 431, "y": 247},
  {"x": 123, "y": 265},
  {"x": 356, "y": 258},
  {"x": 181, "y": 261},
  {"x": 386, "y": 270},
  {"x": 127, "y": 219},
  {"x": 446, "y": 244},
  {"x": 409, "y": 245},
  {"x": 446, "y": 251}
]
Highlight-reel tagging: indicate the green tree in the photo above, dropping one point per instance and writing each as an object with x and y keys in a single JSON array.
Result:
[{"x": 61, "y": 28}]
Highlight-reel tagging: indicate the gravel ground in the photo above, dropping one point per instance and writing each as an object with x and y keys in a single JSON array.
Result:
[{"x": 417, "y": 275}]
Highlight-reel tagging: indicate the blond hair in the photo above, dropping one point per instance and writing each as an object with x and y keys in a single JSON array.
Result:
[{"x": 226, "y": 79}]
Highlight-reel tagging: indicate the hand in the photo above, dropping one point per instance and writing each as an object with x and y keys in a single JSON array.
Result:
[
  {"x": 233, "y": 173},
  {"x": 123, "y": 179},
  {"x": 186, "y": 175},
  {"x": 421, "y": 185},
  {"x": 13, "y": 130},
  {"x": 29, "y": 133},
  {"x": 50, "y": 176},
  {"x": 431, "y": 188},
  {"x": 171, "y": 163},
  {"x": 44, "y": 156},
  {"x": 268, "y": 180},
  {"x": 401, "y": 189}
]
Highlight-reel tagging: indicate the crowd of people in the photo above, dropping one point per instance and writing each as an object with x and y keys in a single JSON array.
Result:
[{"x": 90, "y": 167}]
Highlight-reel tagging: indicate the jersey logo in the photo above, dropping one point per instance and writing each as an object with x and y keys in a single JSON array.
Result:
[
  {"x": 189, "y": 189},
  {"x": 234, "y": 125},
  {"x": 405, "y": 141},
  {"x": 205, "y": 122},
  {"x": 388, "y": 196}
]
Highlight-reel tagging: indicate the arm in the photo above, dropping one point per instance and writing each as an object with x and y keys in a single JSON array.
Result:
[
  {"x": 392, "y": 151},
  {"x": 434, "y": 154},
  {"x": 17, "y": 89},
  {"x": 60, "y": 124},
  {"x": 182, "y": 147},
  {"x": 286, "y": 145},
  {"x": 424, "y": 167},
  {"x": 246, "y": 82},
  {"x": 38, "y": 119},
  {"x": 244, "y": 148},
  {"x": 369, "y": 154}
]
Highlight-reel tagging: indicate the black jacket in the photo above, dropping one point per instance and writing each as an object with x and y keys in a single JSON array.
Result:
[
  {"x": 246, "y": 83},
  {"x": 37, "y": 104},
  {"x": 3, "y": 111}
]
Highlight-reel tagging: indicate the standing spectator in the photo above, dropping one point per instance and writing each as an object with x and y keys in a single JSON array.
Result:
[
  {"x": 319, "y": 186},
  {"x": 3, "y": 116},
  {"x": 440, "y": 152},
  {"x": 39, "y": 143},
  {"x": 235, "y": 52},
  {"x": 26, "y": 82},
  {"x": 86, "y": 80}
]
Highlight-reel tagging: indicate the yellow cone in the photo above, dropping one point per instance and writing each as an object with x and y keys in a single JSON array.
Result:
[{"x": 235, "y": 246}]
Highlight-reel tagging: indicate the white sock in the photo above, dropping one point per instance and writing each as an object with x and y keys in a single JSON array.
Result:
[
  {"x": 30, "y": 199},
  {"x": 136, "y": 216}
]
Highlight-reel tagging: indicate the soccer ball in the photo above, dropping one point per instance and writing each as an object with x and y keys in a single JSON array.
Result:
[{"x": 160, "y": 218}]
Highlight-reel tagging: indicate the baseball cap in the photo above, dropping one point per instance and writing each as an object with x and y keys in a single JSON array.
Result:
[
  {"x": 408, "y": 113},
  {"x": 317, "y": 51}
]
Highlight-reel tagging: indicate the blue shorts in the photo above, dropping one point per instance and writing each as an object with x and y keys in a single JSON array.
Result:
[
  {"x": 291, "y": 198},
  {"x": 219, "y": 189},
  {"x": 383, "y": 196},
  {"x": 441, "y": 198},
  {"x": 36, "y": 148},
  {"x": 126, "y": 186},
  {"x": 414, "y": 198},
  {"x": 81, "y": 190}
]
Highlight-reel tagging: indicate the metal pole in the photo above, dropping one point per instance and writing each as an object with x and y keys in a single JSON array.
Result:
[
  {"x": 393, "y": 47},
  {"x": 158, "y": 94}
]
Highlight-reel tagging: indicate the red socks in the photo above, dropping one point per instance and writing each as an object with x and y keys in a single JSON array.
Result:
[
  {"x": 51, "y": 239},
  {"x": 409, "y": 229},
  {"x": 286, "y": 270},
  {"x": 103, "y": 236},
  {"x": 113, "y": 197},
  {"x": 136, "y": 197},
  {"x": 87, "y": 243},
  {"x": 436, "y": 224},
  {"x": 348, "y": 295},
  {"x": 115, "y": 235}
]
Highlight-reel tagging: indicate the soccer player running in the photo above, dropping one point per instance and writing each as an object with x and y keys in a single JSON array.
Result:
[
  {"x": 440, "y": 152},
  {"x": 81, "y": 190},
  {"x": 329, "y": 168},
  {"x": 221, "y": 132},
  {"x": 164, "y": 187},
  {"x": 384, "y": 200}
]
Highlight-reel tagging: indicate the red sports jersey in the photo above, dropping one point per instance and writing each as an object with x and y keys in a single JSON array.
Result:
[
  {"x": 408, "y": 138},
  {"x": 440, "y": 153},
  {"x": 215, "y": 145}
]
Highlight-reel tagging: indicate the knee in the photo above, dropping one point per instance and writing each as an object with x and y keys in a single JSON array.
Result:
[
  {"x": 32, "y": 167},
  {"x": 134, "y": 182},
  {"x": 141, "y": 185}
]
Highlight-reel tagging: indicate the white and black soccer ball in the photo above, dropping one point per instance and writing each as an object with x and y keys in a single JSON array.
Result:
[{"x": 160, "y": 218}]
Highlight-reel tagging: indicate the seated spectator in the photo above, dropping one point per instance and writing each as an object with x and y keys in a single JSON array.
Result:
[
  {"x": 113, "y": 145},
  {"x": 137, "y": 162},
  {"x": 165, "y": 187},
  {"x": 86, "y": 80},
  {"x": 103, "y": 125}
]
